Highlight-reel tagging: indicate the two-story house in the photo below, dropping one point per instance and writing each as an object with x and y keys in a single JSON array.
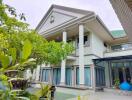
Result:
[{"x": 99, "y": 58}]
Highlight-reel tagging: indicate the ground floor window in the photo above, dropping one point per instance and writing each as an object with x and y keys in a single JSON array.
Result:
[
  {"x": 56, "y": 76},
  {"x": 121, "y": 71},
  {"x": 87, "y": 76},
  {"x": 77, "y": 76},
  {"x": 100, "y": 76},
  {"x": 68, "y": 75},
  {"x": 45, "y": 75},
  {"x": 111, "y": 70}
]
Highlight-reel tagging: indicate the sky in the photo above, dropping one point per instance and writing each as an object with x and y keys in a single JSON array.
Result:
[{"x": 35, "y": 9}]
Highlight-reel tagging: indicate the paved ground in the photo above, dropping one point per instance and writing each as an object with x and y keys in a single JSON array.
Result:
[
  {"x": 63, "y": 96},
  {"x": 72, "y": 94}
]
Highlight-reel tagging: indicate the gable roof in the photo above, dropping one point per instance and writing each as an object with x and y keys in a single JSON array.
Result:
[
  {"x": 114, "y": 34},
  {"x": 69, "y": 9}
]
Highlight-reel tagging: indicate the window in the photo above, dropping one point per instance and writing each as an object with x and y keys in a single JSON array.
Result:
[
  {"x": 116, "y": 47},
  {"x": 86, "y": 42},
  {"x": 45, "y": 75},
  {"x": 105, "y": 45},
  {"x": 122, "y": 47},
  {"x": 85, "y": 39}
]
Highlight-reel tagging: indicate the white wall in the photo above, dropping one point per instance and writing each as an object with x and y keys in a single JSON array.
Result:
[
  {"x": 87, "y": 50},
  {"x": 97, "y": 45}
]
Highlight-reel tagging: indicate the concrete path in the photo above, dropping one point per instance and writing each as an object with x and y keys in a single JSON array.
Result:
[{"x": 91, "y": 95}]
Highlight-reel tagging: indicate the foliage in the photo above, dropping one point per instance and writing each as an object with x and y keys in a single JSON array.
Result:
[
  {"x": 13, "y": 34},
  {"x": 45, "y": 90},
  {"x": 78, "y": 98},
  {"x": 8, "y": 60},
  {"x": 117, "y": 83},
  {"x": 5, "y": 92}
]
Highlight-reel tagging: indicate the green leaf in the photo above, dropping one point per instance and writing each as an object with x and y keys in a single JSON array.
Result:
[
  {"x": 12, "y": 52},
  {"x": 4, "y": 60},
  {"x": 26, "y": 50}
]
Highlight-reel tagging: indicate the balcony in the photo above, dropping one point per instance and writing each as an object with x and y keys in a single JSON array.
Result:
[{"x": 119, "y": 50}]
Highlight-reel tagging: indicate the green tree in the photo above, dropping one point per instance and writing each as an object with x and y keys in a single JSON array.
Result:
[{"x": 13, "y": 35}]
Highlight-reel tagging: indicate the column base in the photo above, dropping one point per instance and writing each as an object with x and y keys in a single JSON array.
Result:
[
  {"x": 62, "y": 84},
  {"x": 82, "y": 85}
]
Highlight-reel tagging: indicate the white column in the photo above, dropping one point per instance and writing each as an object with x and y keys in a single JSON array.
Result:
[
  {"x": 81, "y": 54},
  {"x": 63, "y": 63},
  {"x": 93, "y": 79},
  {"x": 38, "y": 73},
  {"x": 28, "y": 74}
]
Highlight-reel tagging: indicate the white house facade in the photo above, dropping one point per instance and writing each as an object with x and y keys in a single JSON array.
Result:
[{"x": 99, "y": 57}]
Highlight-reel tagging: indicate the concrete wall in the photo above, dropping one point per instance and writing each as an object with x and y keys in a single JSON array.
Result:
[{"x": 97, "y": 45}]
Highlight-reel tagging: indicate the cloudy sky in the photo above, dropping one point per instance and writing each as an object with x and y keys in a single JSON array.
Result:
[{"x": 35, "y": 9}]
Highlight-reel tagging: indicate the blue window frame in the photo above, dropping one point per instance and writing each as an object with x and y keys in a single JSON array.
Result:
[
  {"x": 45, "y": 75},
  {"x": 56, "y": 76},
  {"x": 77, "y": 75},
  {"x": 100, "y": 76},
  {"x": 68, "y": 76},
  {"x": 87, "y": 76}
]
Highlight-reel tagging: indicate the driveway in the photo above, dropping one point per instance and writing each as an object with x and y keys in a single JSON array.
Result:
[{"x": 73, "y": 94}]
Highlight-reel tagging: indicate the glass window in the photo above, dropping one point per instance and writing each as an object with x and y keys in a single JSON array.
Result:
[
  {"x": 56, "y": 76},
  {"x": 45, "y": 75},
  {"x": 122, "y": 47},
  {"x": 68, "y": 76},
  {"x": 86, "y": 42},
  {"x": 87, "y": 76},
  {"x": 116, "y": 47},
  {"x": 77, "y": 75}
]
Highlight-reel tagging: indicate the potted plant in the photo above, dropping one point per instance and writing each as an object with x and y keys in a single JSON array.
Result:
[
  {"x": 116, "y": 83},
  {"x": 52, "y": 89},
  {"x": 45, "y": 92}
]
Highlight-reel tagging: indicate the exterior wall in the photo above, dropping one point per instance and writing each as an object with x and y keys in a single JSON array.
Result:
[
  {"x": 87, "y": 50},
  {"x": 97, "y": 45}
]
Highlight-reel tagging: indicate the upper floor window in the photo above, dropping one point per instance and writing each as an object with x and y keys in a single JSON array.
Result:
[
  {"x": 86, "y": 41},
  {"x": 122, "y": 47},
  {"x": 105, "y": 45}
]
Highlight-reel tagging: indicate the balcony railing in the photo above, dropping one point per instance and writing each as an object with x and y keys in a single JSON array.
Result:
[{"x": 120, "y": 47}]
